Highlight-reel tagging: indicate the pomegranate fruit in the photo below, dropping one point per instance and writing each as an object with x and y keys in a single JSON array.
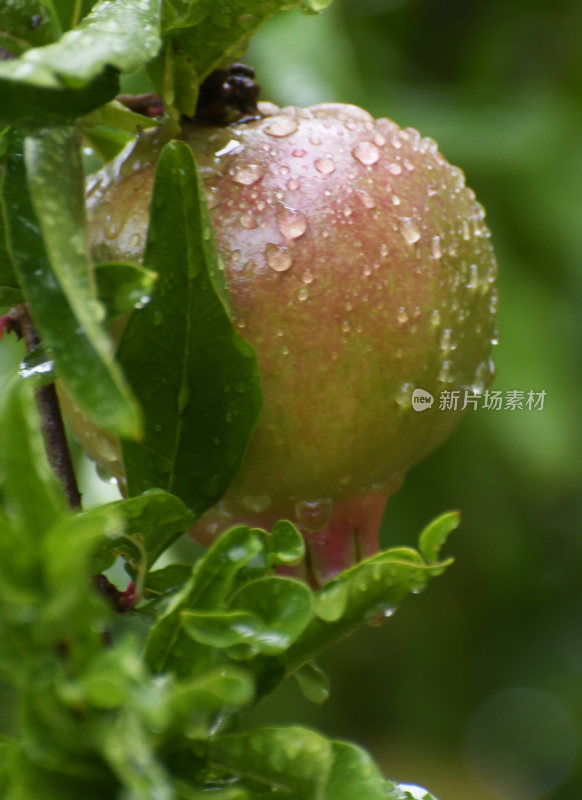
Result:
[{"x": 360, "y": 268}]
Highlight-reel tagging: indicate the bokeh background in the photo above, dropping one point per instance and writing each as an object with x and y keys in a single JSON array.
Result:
[{"x": 474, "y": 688}]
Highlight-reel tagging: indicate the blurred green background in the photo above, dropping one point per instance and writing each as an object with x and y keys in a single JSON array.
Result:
[{"x": 474, "y": 688}]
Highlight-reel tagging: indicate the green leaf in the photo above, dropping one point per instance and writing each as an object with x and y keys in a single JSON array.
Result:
[
  {"x": 10, "y": 291},
  {"x": 196, "y": 704},
  {"x": 354, "y": 774},
  {"x": 221, "y": 629},
  {"x": 118, "y": 116},
  {"x": 67, "y": 547},
  {"x": 301, "y": 761},
  {"x": 265, "y": 616},
  {"x": 287, "y": 546},
  {"x": 166, "y": 579},
  {"x": 282, "y": 605},
  {"x": 313, "y": 682},
  {"x": 26, "y": 23},
  {"x": 366, "y": 593},
  {"x": 204, "y": 35},
  {"x": 436, "y": 533},
  {"x": 293, "y": 759},
  {"x": 168, "y": 646},
  {"x": 152, "y": 521},
  {"x": 130, "y": 751},
  {"x": 186, "y": 363},
  {"x": 32, "y": 496},
  {"x": 61, "y": 81},
  {"x": 121, "y": 287},
  {"x": 56, "y": 280}
]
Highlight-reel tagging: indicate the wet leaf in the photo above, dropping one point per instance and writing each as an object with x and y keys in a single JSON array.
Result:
[
  {"x": 25, "y": 24},
  {"x": 294, "y": 759},
  {"x": 436, "y": 533},
  {"x": 168, "y": 646},
  {"x": 313, "y": 682},
  {"x": 181, "y": 353},
  {"x": 265, "y": 616},
  {"x": 282, "y": 605},
  {"x": 31, "y": 494},
  {"x": 197, "y": 703},
  {"x": 121, "y": 287},
  {"x": 10, "y": 291},
  {"x": 48, "y": 247},
  {"x": 129, "y": 748},
  {"x": 366, "y": 593},
  {"x": 167, "y": 578},
  {"x": 287, "y": 546},
  {"x": 64, "y": 80},
  {"x": 354, "y": 774},
  {"x": 221, "y": 628},
  {"x": 203, "y": 36}
]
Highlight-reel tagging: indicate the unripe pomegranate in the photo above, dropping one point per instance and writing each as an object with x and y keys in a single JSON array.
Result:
[{"x": 360, "y": 268}]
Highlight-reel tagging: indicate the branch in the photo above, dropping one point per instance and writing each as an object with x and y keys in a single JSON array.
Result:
[{"x": 52, "y": 426}]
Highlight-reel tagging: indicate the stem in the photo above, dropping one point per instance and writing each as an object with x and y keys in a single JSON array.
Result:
[
  {"x": 76, "y": 15},
  {"x": 53, "y": 429}
]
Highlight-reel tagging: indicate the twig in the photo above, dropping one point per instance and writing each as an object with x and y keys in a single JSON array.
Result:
[{"x": 53, "y": 429}]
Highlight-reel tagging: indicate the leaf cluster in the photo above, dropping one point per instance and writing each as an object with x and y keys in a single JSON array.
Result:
[
  {"x": 151, "y": 701},
  {"x": 148, "y": 704}
]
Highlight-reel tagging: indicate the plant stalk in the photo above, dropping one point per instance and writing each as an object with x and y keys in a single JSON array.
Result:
[{"x": 53, "y": 429}]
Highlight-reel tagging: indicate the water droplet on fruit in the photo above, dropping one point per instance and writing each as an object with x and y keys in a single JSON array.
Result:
[
  {"x": 278, "y": 257},
  {"x": 307, "y": 277},
  {"x": 247, "y": 175},
  {"x": 395, "y": 169},
  {"x": 345, "y": 326},
  {"x": 409, "y": 230},
  {"x": 366, "y": 153},
  {"x": 248, "y": 220},
  {"x": 293, "y": 184},
  {"x": 325, "y": 166},
  {"x": 298, "y": 153},
  {"x": 444, "y": 375},
  {"x": 292, "y": 224},
  {"x": 447, "y": 342},
  {"x": 404, "y": 396},
  {"x": 282, "y": 126},
  {"x": 365, "y": 199},
  {"x": 136, "y": 240},
  {"x": 401, "y": 316},
  {"x": 435, "y": 318},
  {"x": 233, "y": 146},
  {"x": 379, "y": 140},
  {"x": 313, "y": 515},
  {"x": 435, "y": 246},
  {"x": 473, "y": 282},
  {"x": 494, "y": 301},
  {"x": 396, "y": 200},
  {"x": 302, "y": 294}
]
